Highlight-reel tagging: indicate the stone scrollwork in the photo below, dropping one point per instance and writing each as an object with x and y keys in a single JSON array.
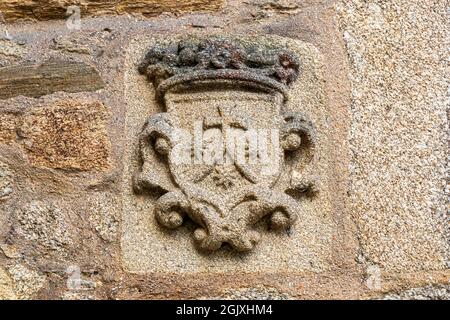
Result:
[{"x": 226, "y": 199}]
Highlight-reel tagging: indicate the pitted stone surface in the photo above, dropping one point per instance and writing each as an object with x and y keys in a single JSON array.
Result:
[
  {"x": 67, "y": 134},
  {"x": 8, "y": 126},
  {"x": 44, "y": 223},
  {"x": 11, "y": 51},
  {"x": 257, "y": 293},
  {"x": 398, "y": 136},
  {"x": 439, "y": 292},
  {"x": 26, "y": 281},
  {"x": 6, "y": 181},
  {"x": 104, "y": 215},
  {"x": 6, "y": 286}
]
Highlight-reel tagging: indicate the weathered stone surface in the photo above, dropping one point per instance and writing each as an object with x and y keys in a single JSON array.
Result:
[
  {"x": 10, "y": 251},
  {"x": 440, "y": 292},
  {"x": 35, "y": 80},
  {"x": 104, "y": 215},
  {"x": 398, "y": 136},
  {"x": 6, "y": 181},
  {"x": 6, "y": 286},
  {"x": 45, "y": 224},
  {"x": 68, "y": 134},
  {"x": 63, "y": 44},
  {"x": 26, "y": 282},
  {"x": 257, "y": 293},
  {"x": 56, "y": 9},
  {"x": 8, "y": 126},
  {"x": 11, "y": 51}
]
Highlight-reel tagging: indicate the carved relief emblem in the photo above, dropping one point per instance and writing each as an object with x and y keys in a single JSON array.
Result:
[{"x": 225, "y": 137}]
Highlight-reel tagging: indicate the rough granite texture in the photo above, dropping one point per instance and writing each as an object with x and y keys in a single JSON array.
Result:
[
  {"x": 398, "y": 135},
  {"x": 257, "y": 293},
  {"x": 6, "y": 181},
  {"x": 67, "y": 134},
  {"x": 45, "y": 224},
  {"x": 8, "y": 125},
  {"x": 6, "y": 286},
  {"x": 26, "y": 282},
  {"x": 440, "y": 292},
  {"x": 66, "y": 198},
  {"x": 10, "y": 52}
]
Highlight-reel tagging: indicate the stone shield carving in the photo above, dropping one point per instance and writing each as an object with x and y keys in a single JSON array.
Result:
[{"x": 224, "y": 136}]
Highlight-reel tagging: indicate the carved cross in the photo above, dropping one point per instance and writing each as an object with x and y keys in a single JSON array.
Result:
[
  {"x": 231, "y": 117},
  {"x": 228, "y": 118}
]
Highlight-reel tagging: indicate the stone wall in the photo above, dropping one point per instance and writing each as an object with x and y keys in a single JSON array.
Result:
[{"x": 368, "y": 181}]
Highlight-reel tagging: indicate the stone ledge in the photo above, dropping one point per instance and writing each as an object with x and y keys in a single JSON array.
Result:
[
  {"x": 13, "y": 10},
  {"x": 36, "y": 80}
]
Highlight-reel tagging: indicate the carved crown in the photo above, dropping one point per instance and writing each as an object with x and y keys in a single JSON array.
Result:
[{"x": 212, "y": 59}]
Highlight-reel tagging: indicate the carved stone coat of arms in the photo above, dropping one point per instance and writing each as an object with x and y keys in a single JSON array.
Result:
[{"x": 224, "y": 135}]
